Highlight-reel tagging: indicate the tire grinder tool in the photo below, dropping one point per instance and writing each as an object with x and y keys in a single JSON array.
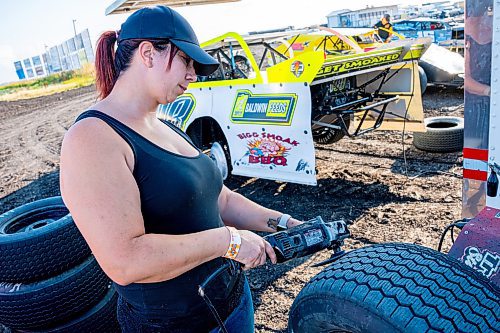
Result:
[
  {"x": 302, "y": 240},
  {"x": 308, "y": 238}
]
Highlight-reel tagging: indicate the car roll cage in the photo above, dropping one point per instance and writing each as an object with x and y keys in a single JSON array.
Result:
[
  {"x": 359, "y": 105},
  {"x": 226, "y": 51}
]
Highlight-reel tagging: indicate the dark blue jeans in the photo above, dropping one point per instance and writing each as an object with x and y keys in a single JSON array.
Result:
[{"x": 241, "y": 320}]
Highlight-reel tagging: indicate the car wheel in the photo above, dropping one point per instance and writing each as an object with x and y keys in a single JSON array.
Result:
[
  {"x": 207, "y": 135},
  {"x": 396, "y": 288},
  {"x": 220, "y": 158},
  {"x": 39, "y": 240},
  {"x": 326, "y": 135},
  {"x": 443, "y": 135},
  {"x": 423, "y": 79}
]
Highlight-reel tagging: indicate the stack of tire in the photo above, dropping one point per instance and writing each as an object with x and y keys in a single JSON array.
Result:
[{"x": 49, "y": 279}]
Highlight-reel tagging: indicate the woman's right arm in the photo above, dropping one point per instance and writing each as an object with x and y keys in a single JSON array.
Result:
[{"x": 98, "y": 188}]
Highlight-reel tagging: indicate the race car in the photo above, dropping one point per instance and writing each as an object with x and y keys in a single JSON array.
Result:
[{"x": 275, "y": 94}]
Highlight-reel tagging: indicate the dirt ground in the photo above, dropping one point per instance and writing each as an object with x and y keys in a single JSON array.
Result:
[{"x": 366, "y": 181}]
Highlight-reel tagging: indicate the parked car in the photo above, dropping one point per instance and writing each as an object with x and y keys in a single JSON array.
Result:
[{"x": 437, "y": 30}]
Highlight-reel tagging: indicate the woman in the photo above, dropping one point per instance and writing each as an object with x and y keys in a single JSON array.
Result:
[{"x": 151, "y": 206}]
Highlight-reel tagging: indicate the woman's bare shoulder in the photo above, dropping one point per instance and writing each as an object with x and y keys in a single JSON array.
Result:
[
  {"x": 88, "y": 131},
  {"x": 93, "y": 138}
]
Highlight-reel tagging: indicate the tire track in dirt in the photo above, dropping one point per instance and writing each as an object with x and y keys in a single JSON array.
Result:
[
  {"x": 361, "y": 180},
  {"x": 31, "y": 137}
]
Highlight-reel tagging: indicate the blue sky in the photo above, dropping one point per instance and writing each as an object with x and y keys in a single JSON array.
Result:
[{"x": 26, "y": 26}]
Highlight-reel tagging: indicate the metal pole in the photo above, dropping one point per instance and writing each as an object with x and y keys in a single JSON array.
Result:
[
  {"x": 74, "y": 42},
  {"x": 47, "y": 60}
]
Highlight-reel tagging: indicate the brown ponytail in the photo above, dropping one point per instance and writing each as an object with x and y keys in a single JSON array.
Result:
[
  {"x": 109, "y": 64},
  {"x": 106, "y": 73}
]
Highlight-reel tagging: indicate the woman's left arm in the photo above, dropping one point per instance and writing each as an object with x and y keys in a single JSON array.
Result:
[{"x": 242, "y": 213}]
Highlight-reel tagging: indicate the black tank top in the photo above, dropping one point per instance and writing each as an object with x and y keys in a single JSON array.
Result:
[
  {"x": 480, "y": 68},
  {"x": 179, "y": 195}
]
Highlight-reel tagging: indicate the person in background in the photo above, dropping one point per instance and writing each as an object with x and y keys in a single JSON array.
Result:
[
  {"x": 150, "y": 204},
  {"x": 386, "y": 32},
  {"x": 477, "y": 91}
]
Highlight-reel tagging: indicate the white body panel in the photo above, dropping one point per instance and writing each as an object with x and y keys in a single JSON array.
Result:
[{"x": 267, "y": 127}]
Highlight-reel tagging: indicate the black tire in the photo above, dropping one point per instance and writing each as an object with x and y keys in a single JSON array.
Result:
[
  {"x": 443, "y": 135},
  {"x": 53, "y": 301},
  {"x": 39, "y": 240},
  {"x": 101, "y": 318},
  {"x": 423, "y": 79},
  {"x": 396, "y": 288},
  {"x": 326, "y": 135}
]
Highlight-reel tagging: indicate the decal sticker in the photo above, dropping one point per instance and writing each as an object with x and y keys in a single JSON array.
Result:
[
  {"x": 177, "y": 112},
  {"x": 302, "y": 165},
  {"x": 351, "y": 65},
  {"x": 266, "y": 148},
  {"x": 263, "y": 109},
  {"x": 298, "y": 46},
  {"x": 10, "y": 287},
  {"x": 485, "y": 262},
  {"x": 297, "y": 68}
]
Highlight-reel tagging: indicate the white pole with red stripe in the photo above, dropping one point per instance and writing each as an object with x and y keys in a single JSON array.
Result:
[{"x": 494, "y": 130}]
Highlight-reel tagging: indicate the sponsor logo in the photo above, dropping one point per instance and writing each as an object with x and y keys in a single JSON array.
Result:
[
  {"x": 297, "y": 68},
  {"x": 267, "y": 148},
  {"x": 350, "y": 65},
  {"x": 264, "y": 109},
  {"x": 483, "y": 261},
  {"x": 177, "y": 112}
]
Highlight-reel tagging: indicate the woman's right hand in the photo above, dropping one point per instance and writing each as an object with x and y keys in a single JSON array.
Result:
[{"x": 254, "y": 250}]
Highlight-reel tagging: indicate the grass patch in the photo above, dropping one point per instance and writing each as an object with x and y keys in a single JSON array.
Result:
[{"x": 48, "y": 85}]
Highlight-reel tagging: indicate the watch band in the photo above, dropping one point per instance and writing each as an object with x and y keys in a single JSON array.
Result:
[{"x": 282, "y": 222}]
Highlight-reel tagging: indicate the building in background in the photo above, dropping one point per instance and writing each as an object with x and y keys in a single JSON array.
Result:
[
  {"x": 366, "y": 17},
  {"x": 69, "y": 55}
]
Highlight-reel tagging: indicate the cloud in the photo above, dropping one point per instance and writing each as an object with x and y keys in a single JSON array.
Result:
[
  {"x": 6, "y": 54},
  {"x": 7, "y": 58}
]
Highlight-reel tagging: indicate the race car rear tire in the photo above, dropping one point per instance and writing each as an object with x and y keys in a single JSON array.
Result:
[
  {"x": 327, "y": 135},
  {"x": 443, "y": 135},
  {"x": 396, "y": 287},
  {"x": 39, "y": 240}
]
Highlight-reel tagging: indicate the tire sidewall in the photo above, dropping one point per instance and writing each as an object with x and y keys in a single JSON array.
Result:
[
  {"x": 26, "y": 210},
  {"x": 457, "y": 121}
]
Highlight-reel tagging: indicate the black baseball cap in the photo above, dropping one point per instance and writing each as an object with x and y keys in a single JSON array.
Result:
[{"x": 161, "y": 22}]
